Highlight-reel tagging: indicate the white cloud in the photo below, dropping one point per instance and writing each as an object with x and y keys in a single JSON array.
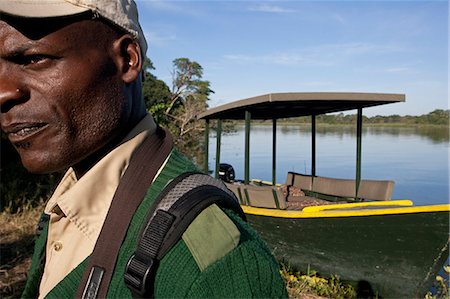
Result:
[
  {"x": 160, "y": 5},
  {"x": 339, "y": 18},
  {"x": 271, "y": 9},
  {"x": 397, "y": 70},
  {"x": 177, "y": 7},
  {"x": 317, "y": 83},
  {"x": 159, "y": 39},
  {"x": 357, "y": 48},
  {"x": 283, "y": 58},
  {"x": 324, "y": 55},
  {"x": 278, "y": 58}
]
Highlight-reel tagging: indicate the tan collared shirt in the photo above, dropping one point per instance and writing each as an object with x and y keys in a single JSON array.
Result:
[{"x": 78, "y": 208}]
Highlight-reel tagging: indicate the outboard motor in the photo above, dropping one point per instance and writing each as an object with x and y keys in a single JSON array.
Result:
[{"x": 226, "y": 172}]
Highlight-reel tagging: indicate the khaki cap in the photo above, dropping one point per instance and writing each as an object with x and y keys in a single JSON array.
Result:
[{"x": 123, "y": 13}]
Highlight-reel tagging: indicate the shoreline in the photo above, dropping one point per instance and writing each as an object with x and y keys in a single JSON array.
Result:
[{"x": 328, "y": 124}]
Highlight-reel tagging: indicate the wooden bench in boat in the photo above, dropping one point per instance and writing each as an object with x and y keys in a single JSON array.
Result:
[
  {"x": 314, "y": 191},
  {"x": 339, "y": 189},
  {"x": 259, "y": 196}
]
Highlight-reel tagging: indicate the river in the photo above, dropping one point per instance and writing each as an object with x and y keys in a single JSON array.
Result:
[{"x": 416, "y": 158}]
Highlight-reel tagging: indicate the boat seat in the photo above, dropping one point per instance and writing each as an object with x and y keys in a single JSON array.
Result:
[
  {"x": 335, "y": 189},
  {"x": 376, "y": 189},
  {"x": 264, "y": 197},
  {"x": 298, "y": 180},
  {"x": 236, "y": 189}
]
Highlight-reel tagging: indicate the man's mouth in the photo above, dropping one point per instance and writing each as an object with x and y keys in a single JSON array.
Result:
[{"x": 20, "y": 132}]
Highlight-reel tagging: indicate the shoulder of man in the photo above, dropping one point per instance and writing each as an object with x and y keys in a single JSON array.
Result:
[
  {"x": 216, "y": 245},
  {"x": 219, "y": 256}
]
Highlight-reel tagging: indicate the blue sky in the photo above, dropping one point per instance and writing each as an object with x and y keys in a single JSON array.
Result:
[{"x": 250, "y": 48}]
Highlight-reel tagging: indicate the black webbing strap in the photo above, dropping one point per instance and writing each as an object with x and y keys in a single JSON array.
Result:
[
  {"x": 174, "y": 210},
  {"x": 139, "y": 175},
  {"x": 141, "y": 268}
]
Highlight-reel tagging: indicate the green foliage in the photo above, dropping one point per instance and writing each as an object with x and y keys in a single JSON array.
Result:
[
  {"x": 156, "y": 94},
  {"x": 177, "y": 108},
  {"x": 190, "y": 95},
  {"x": 436, "y": 117},
  {"x": 186, "y": 82},
  {"x": 187, "y": 75}
]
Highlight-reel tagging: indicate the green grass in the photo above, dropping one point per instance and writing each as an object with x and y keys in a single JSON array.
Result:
[
  {"x": 17, "y": 231},
  {"x": 301, "y": 285}
]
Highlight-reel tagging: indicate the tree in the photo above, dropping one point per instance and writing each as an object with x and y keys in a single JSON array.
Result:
[
  {"x": 438, "y": 117},
  {"x": 176, "y": 109},
  {"x": 190, "y": 95},
  {"x": 186, "y": 81},
  {"x": 157, "y": 95}
]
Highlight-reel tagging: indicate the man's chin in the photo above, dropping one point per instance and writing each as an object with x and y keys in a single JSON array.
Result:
[{"x": 39, "y": 166}]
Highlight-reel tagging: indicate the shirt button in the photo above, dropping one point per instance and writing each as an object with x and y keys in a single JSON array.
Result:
[{"x": 57, "y": 246}]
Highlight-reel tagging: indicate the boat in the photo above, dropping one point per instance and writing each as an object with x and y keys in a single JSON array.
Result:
[{"x": 345, "y": 227}]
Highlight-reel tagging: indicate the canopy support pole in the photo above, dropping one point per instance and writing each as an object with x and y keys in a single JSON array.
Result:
[
  {"x": 206, "y": 149},
  {"x": 247, "y": 147},
  {"x": 219, "y": 137},
  {"x": 358, "y": 149},
  {"x": 274, "y": 151},
  {"x": 313, "y": 145}
]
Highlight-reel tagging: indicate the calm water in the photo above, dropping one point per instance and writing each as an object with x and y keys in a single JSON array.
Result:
[{"x": 416, "y": 159}]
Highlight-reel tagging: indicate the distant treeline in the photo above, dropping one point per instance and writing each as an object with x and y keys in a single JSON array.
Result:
[{"x": 436, "y": 117}]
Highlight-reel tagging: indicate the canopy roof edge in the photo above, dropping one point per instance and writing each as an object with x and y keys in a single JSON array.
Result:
[{"x": 293, "y": 104}]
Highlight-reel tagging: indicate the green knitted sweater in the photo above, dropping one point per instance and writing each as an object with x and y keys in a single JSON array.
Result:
[{"x": 247, "y": 271}]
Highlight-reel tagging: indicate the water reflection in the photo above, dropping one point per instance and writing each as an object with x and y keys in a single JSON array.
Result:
[
  {"x": 415, "y": 158},
  {"x": 436, "y": 134}
]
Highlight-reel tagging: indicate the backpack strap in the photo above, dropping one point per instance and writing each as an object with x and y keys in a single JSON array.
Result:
[
  {"x": 144, "y": 164},
  {"x": 175, "y": 209}
]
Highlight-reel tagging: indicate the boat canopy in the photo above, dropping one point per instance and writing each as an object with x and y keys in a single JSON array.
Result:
[{"x": 292, "y": 104}]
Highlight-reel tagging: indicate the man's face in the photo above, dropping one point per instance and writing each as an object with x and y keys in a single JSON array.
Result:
[{"x": 60, "y": 94}]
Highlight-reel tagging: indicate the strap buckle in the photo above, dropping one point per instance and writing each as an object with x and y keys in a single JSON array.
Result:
[{"x": 139, "y": 274}]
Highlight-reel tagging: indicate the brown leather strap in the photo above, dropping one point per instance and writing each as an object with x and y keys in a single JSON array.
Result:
[{"x": 143, "y": 166}]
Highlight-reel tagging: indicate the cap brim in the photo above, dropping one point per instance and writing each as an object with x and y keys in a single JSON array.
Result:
[{"x": 40, "y": 9}]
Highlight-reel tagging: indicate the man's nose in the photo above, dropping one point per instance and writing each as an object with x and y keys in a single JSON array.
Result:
[{"x": 12, "y": 91}]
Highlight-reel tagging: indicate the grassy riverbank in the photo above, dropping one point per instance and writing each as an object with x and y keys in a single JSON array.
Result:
[
  {"x": 295, "y": 122},
  {"x": 18, "y": 229},
  {"x": 398, "y": 125},
  {"x": 438, "y": 118},
  {"x": 16, "y": 245}
]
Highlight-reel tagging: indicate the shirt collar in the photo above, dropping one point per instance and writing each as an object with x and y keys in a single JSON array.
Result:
[{"x": 86, "y": 201}]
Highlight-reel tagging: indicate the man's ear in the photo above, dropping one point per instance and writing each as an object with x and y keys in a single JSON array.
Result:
[{"x": 128, "y": 58}]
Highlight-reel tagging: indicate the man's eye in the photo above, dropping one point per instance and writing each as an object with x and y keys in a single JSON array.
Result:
[{"x": 34, "y": 59}]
